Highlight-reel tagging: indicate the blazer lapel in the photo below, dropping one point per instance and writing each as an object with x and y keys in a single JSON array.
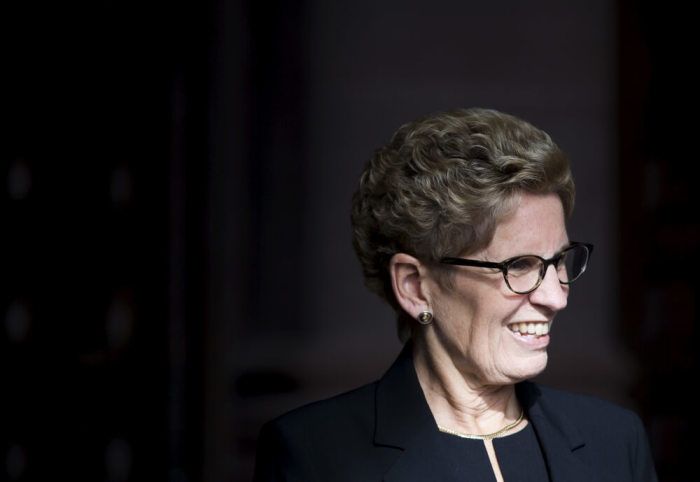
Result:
[
  {"x": 404, "y": 422},
  {"x": 558, "y": 437}
]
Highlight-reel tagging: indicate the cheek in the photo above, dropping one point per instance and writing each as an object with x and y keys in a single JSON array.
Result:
[
  {"x": 474, "y": 313},
  {"x": 455, "y": 322},
  {"x": 480, "y": 324}
]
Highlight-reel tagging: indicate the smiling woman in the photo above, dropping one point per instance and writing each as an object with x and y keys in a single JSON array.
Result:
[
  {"x": 460, "y": 224},
  {"x": 476, "y": 312}
]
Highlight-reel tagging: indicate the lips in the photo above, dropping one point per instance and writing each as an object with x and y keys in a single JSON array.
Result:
[{"x": 530, "y": 328}]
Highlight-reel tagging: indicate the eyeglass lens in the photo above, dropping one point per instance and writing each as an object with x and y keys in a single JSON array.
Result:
[{"x": 524, "y": 273}]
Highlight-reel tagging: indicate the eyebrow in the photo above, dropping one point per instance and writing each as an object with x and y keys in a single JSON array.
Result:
[{"x": 561, "y": 248}]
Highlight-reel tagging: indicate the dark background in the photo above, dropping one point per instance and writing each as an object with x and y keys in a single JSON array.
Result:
[{"x": 176, "y": 245}]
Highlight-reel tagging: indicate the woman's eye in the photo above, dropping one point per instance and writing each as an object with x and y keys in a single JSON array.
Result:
[{"x": 523, "y": 265}]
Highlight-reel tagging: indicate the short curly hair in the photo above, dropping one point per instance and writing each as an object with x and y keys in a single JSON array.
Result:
[{"x": 443, "y": 183}]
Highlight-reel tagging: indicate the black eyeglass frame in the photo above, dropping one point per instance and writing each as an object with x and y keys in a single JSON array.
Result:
[{"x": 503, "y": 265}]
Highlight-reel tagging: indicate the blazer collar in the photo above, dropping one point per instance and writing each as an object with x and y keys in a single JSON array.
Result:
[
  {"x": 401, "y": 409},
  {"x": 559, "y": 437},
  {"x": 404, "y": 421}
]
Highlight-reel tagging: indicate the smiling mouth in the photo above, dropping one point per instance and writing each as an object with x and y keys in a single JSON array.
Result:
[{"x": 536, "y": 329}]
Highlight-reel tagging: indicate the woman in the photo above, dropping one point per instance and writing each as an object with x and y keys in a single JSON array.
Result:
[{"x": 459, "y": 223}]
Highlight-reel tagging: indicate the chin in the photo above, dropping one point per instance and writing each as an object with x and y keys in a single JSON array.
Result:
[{"x": 529, "y": 368}]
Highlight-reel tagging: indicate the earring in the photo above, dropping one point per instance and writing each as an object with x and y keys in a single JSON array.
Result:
[{"x": 425, "y": 317}]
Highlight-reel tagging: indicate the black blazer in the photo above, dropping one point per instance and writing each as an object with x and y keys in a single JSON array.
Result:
[{"x": 385, "y": 432}]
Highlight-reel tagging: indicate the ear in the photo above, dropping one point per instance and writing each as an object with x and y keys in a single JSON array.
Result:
[{"x": 408, "y": 282}]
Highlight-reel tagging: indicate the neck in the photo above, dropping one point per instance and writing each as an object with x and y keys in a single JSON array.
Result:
[{"x": 457, "y": 399}]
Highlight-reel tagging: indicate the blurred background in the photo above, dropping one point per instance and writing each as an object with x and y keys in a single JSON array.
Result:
[{"x": 177, "y": 263}]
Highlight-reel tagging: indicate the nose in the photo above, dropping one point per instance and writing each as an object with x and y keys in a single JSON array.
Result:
[{"x": 550, "y": 293}]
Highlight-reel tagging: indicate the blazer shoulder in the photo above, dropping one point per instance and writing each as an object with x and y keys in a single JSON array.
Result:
[
  {"x": 602, "y": 433},
  {"x": 311, "y": 441},
  {"x": 593, "y": 419},
  {"x": 347, "y": 408},
  {"x": 576, "y": 405}
]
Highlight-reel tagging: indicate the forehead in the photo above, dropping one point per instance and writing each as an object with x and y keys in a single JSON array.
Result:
[{"x": 536, "y": 226}]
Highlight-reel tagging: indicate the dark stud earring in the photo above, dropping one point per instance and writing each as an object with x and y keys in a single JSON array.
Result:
[{"x": 425, "y": 317}]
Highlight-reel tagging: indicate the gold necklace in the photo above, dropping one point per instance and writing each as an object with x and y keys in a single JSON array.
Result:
[{"x": 488, "y": 436}]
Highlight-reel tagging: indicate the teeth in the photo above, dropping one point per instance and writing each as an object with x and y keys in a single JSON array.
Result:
[{"x": 537, "y": 329}]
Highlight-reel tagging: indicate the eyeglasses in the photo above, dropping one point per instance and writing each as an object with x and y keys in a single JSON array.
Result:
[{"x": 524, "y": 274}]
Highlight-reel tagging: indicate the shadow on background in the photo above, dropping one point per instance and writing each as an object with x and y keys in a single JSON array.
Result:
[
  {"x": 659, "y": 225},
  {"x": 177, "y": 262}
]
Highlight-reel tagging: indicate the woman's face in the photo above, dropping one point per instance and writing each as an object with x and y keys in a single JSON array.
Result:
[{"x": 478, "y": 319}]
